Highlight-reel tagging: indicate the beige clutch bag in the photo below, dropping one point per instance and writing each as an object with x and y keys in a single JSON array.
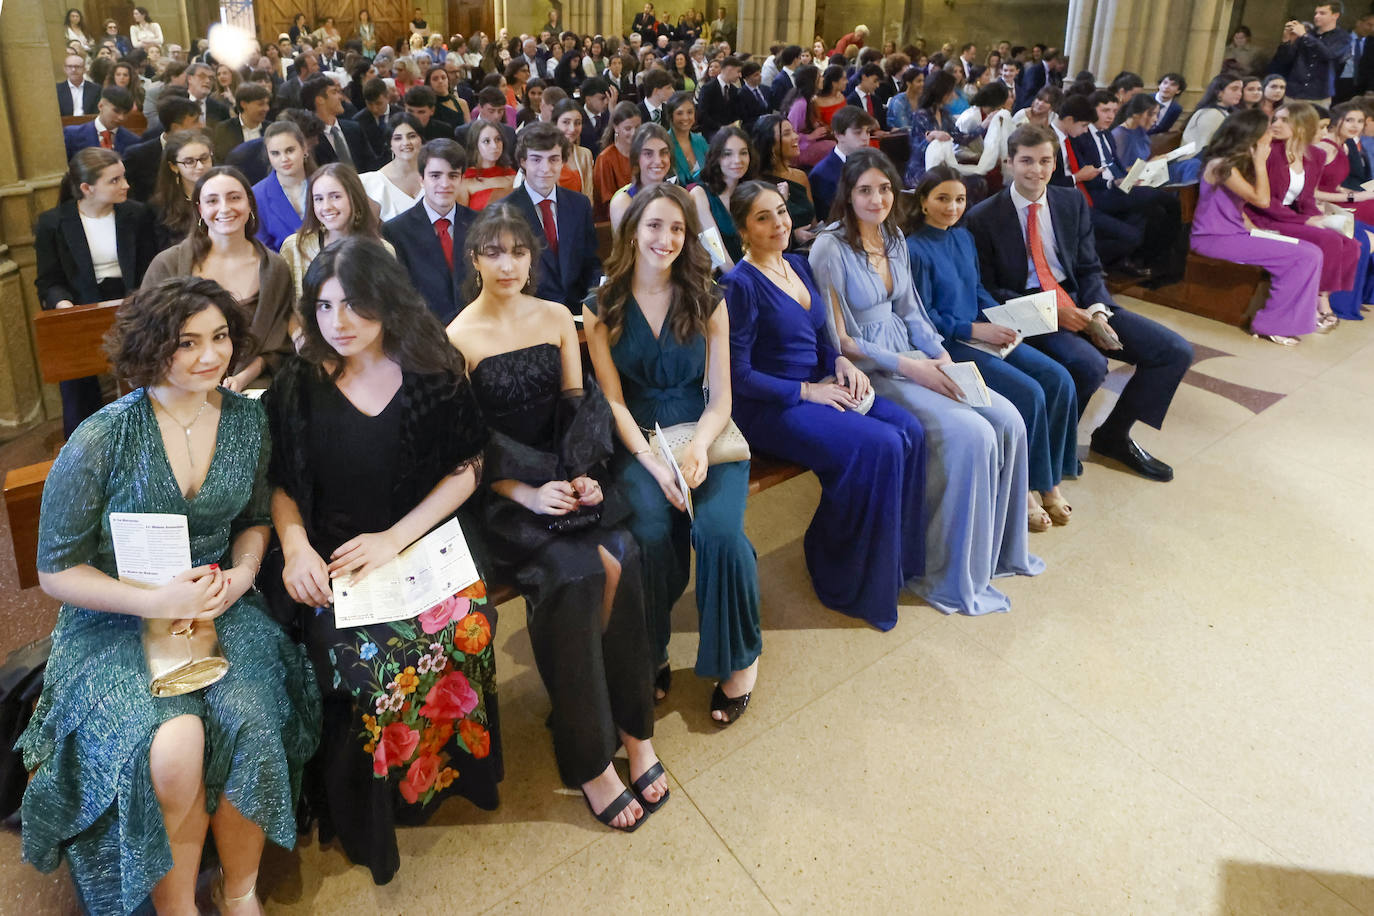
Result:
[
  {"x": 183, "y": 660},
  {"x": 729, "y": 446}
]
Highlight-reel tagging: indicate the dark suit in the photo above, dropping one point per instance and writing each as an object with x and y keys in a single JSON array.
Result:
[
  {"x": 141, "y": 164},
  {"x": 1154, "y": 212},
  {"x": 716, "y": 107},
  {"x": 215, "y": 111},
  {"x": 358, "y": 147},
  {"x": 1034, "y": 76},
  {"x": 567, "y": 276},
  {"x": 1167, "y": 116},
  {"x": 593, "y": 126},
  {"x": 417, "y": 248},
  {"x": 227, "y": 135},
  {"x": 289, "y": 94},
  {"x": 647, "y": 118},
  {"x": 782, "y": 84},
  {"x": 90, "y": 98},
  {"x": 376, "y": 136},
  {"x": 825, "y": 178},
  {"x": 1160, "y": 356},
  {"x": 250, "y": 158},
  {"x": 1116, "y": 239},
  {"x": 65, "y": 271},
  {"x": 879, "y": 112},
  {"x": 755, "y": 102},
  {"x": 77, "y": 137},
  {"x": 1364, "y": 67}
]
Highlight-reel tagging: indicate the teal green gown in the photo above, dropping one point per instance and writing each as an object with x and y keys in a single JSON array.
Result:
[
  {"x": 91, "y": 798},
  {"x": 661, "y": 382}
]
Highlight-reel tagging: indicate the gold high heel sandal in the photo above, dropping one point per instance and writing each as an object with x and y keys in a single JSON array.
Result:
[
  {"x": 1058, "y": 508},
  {"x": 1037, "y": 519}
]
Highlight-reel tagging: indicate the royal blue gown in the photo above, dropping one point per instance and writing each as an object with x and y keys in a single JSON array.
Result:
[{"x": 867, "y": 536}]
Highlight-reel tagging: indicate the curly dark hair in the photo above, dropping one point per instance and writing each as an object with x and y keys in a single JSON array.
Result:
[
  {"x": 492, "y": 223},
  {"x": 711, "y": 175},
  {"x": 695, "y": 295},
  {"x": 148, "y": 326},
  {"x": 378, "y": 288}
]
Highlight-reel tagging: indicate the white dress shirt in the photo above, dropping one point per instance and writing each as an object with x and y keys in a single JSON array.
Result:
[
  {"x": 78, "y": 97},
  {"x": 1047, "y": 238},
  {"x": 435, "y": 216},
  {"x": 250, "y": 133}
]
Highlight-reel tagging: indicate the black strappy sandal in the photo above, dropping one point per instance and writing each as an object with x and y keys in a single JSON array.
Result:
[
  {"x": 663, "y": 681},
  {"x": 622, "y": 801},
  {"x": 642, "y": 784},
  {"x": 733, "y": 707}
]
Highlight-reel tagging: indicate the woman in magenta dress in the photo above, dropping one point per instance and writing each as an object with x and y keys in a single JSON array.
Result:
[
  {"x": 1236, "y": 174},
  {"x": 1293, "y": 168},
  {"x": 1338, "y": 186}
]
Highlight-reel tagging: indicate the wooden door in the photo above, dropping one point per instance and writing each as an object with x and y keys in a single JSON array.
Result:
[
  {"x": 97, "y": 11},
  {"x": 274, "y": 16},
  {"x": 468, "y": 16},
  {"x": 392, "y": 18}
]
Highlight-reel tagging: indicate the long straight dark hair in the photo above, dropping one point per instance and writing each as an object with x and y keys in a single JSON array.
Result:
[
  {"x": 1233, "y": 141},
  {"x": 843, "y": 210},
  {"x": 379, "y": 289}
]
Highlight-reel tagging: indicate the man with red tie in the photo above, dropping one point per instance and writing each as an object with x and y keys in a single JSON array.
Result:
[
  {"x": 568, "y": 267},
  {"x": 429, "y": 237},
  {"x": 862, "y": 95},
  {"x": 1034, "y": 237},
  {"x": 107, "y": 130}
]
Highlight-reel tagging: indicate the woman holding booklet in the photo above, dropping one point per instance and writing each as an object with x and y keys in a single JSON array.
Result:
[
  {"x": 1236, "y": 175},
  {"x": 977, "y": 476},
  {"x": 944, "y": 269},
  {"x": 379, "y": 441},
  {"x": 125, "y": 781},
  {"x": 659, "y": 338}
]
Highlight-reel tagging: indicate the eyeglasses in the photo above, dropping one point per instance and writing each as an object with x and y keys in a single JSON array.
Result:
[{"x": 190, "y": 163}]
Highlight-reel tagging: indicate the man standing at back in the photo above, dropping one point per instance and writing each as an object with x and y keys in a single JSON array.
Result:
[
  {"x": 429, "y": 237},
  {"x": 1312, "y": 60}
]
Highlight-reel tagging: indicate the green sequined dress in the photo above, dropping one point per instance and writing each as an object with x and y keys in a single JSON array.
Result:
[{"x": 91, "y": 799}]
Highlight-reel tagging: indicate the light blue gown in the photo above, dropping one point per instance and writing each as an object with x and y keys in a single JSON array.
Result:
[{"x": 977, "y": 477}]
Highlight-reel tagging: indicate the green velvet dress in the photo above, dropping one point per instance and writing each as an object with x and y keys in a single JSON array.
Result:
[
  {"x": 91, "y": 799},
  {"x": 661, "y": 382}
]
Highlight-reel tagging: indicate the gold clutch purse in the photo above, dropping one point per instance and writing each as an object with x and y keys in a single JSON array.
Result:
[
  {"x": 182, "y": 660},
  {"x": 729, "y": 446}
]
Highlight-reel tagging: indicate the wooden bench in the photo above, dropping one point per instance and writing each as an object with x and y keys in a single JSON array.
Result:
[
  {"x": 69, "y": 120},
  {"x": 1221, "y": 290}
]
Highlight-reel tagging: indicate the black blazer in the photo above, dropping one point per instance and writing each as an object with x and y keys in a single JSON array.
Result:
[
  {"x": 417, "y": 248},
  {"x": 750, "y": 106},
  {"x": 141, "y": 164},
  {"x": 1364, "y": 68},
  {"x": 375, "y": 136},
  {"x": 568, "y": 276},
  {"x": 1002, "y": 247},
  {"x": 228, "y": 134},
  {"x": 90, "y": 98},
  {"x": 879, "y": 110},
  {"x": 715, "y": 109},
  {"x": 65, "y": 270},
  {"x": 358, "y": 147},
  {"x": 215, "y": 111},
  {"x": 593, "y": 126}
]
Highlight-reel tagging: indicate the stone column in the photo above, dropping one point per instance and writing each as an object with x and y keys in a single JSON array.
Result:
[{"x": 32, "y": 162}]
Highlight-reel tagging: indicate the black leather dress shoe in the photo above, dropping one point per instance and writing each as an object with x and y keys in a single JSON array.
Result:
[
  {"x": 1134, "y": 270},
  {"x": 1134, "y": 457}
]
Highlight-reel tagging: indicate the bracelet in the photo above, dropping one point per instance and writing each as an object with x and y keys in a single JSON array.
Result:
[
  {"x": 804, "y": 388},
  {"x": 644, "y": 451},
  {"x": 1350, "y": 197},
  {"x": 257, "y": 565}
]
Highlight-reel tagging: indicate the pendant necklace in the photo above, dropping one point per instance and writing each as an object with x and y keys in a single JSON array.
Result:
[{"x": 185, "y": 427}]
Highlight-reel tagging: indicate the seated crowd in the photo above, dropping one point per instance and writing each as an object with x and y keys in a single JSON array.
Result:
[{"x": 402, "y": 250}]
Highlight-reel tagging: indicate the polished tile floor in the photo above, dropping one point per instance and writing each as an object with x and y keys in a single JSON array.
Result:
[{"x": 1174, "y": 718}]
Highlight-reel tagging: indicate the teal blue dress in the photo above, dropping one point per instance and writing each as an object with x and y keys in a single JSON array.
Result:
[
  {"x": 729, "y": 234},
  {"x": 686, "y": 174},
  {"x": 91, "y": 798},
  {"x": 661, "y": 381}
]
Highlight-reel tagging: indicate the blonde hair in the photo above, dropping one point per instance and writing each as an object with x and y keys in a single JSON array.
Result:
[{"x": 1302, "y": 117}]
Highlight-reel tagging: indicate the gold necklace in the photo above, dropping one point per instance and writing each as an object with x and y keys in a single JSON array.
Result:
[
  {"x": 780, "y": 274},
  {"x": 185, "y": 427}
]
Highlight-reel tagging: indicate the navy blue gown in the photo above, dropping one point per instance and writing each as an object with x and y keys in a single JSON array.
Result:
[{"x": 867, "y": 536}]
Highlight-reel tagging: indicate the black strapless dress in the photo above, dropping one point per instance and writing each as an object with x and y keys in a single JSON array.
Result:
[{"x": 595, "y": 665}]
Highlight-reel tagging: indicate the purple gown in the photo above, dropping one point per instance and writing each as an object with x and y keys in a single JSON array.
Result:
[{"x": 1294, "y": 269}]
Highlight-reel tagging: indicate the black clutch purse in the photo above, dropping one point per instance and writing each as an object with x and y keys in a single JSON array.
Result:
[{"x": 576, "y": 520}]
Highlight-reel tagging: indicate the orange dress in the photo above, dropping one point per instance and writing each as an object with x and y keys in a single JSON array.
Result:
[
  {"x": 479, "y": 199},
  {"x": 611, "y": 173}
]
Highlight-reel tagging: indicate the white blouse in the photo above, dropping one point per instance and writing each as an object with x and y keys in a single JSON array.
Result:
[
  {"x": 149, "y": 33},
  {"x": 1296, "y": 178},
  {"x": 100, "y": 239},
  {"x": 390, "y": 198}
]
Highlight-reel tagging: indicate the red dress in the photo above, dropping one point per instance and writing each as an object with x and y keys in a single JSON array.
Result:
[
  {"x": 479, "y": 199},
  {"x": 825, "y": 112},
  {"x": 1335, "y": 172}
]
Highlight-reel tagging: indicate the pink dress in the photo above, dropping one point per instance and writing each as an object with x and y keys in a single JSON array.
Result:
[
  {"x": 812, "y": 151},
  {"x": 1340, "y": 255}
]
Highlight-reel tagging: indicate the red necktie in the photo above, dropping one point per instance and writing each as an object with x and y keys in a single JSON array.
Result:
[
  {"x": 445, "y": 240},
  {"x": 1072, "y": 158},
  {"x": 550, "y": 228},
  {"x": 1042, "y": 264},
  {"x": 868, "y": 103},
  {"x": 107, "y": 139}
]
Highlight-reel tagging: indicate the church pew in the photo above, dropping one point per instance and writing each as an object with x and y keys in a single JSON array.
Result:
[
  {"x": 1221, "y": 290},
  {"x": 71, "y": 341},
  {"x": 69, "y": 120}
]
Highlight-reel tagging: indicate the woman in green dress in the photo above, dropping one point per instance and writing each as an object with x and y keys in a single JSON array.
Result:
[
  {"x": 126, "y": 784},
  {"x": 688, "y": 146},
  {"x": 729, "y": 160},
  {"x": 776, "y": 147},
  {"x": 659, "y": 335}
]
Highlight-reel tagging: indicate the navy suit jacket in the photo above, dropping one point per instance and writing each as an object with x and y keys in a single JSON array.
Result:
[
  {"x": 250, "y": 158},
  {"x": 417, "y": 248},
  {"x": 1167, "y": 117},
  {"x": 879, "y": 110},
  {"x": 65, "y": 270},
  {"x": 825, "y": 178},
  {"x": 567, "y": 276},
  {"x": 1002, "y": 247},
  {"x": 77, "y": 137},
  {"x": 750, "y": 107},
  {"x": 782, "y": 84},
  {"x": 90, "y": 98},
  {"x": 1033, "y": 78},
  {"x": 1089, "y": 153},
  {"x": 593, "y": 129},
  {"x": 358, "y": 147}
]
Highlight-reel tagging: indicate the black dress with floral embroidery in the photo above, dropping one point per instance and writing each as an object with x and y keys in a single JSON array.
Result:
[{"x": 410, "y": 711}]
